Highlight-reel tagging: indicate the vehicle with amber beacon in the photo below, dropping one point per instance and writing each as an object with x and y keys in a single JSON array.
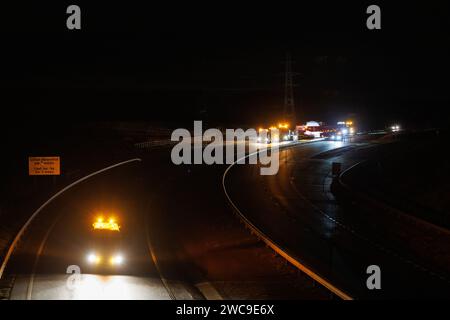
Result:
[
  {"x": 105, "y": 250},
  {"x": 279, "y": 133}
]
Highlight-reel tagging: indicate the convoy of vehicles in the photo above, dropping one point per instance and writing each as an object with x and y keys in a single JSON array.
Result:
[{"x": 311, "y": 130}]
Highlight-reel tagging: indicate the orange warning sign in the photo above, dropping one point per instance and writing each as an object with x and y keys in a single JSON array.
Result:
[{"x": 43, "y": 166}]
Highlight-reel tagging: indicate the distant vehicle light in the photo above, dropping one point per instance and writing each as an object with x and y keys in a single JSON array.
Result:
[
  {"x": 100, "y": 224},
  {"x": 286, "y": 137},
  {"x": 344, "y": 131},
  {"x": 117, "y": 259},
  {"x": 352, "y": 130},
  {"x": 92, "y": 258},
  {"x": 258, "y": 139},
  {"x": 333, "y": 137}
]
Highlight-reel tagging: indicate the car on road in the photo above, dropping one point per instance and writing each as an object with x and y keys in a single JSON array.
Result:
[{"x": 333, "y": 135}]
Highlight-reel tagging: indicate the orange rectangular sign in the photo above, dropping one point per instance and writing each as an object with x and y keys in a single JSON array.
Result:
[{"x": 44, "y": 166}]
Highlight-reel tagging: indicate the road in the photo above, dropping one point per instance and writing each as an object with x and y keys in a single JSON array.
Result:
[
  {"x": 296, "y": 208},
  {"x": 181, "y": 239}
]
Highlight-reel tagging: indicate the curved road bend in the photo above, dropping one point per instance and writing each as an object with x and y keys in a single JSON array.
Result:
[
  {"x": 199, "y": 247},
  {"x": 295, "y": 209}
]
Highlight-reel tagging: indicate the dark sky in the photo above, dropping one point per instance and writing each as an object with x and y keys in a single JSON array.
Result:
[{"x": 223, "y": 62}]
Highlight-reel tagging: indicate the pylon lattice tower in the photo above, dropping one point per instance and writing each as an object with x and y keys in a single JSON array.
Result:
[{"x": 289, "y": 105}]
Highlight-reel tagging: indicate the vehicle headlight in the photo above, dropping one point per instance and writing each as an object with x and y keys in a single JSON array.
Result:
[
  {"x": 117, "y": 259},
  {"x": 92, "y": 258}
]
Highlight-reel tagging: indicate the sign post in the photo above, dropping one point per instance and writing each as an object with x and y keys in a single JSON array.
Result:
[{"x": 44, "y": 166}]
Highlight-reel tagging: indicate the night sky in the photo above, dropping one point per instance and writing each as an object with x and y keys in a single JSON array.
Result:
[{"x": 223, "y": 63}]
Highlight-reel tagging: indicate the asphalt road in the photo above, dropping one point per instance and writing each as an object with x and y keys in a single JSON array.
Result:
[
  {"x": 296, "y": 208},
  {"x": 180, "y": 241}
]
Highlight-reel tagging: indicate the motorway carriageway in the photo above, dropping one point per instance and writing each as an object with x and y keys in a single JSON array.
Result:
[
  {"x": 183, "y": 241},
  {"x": 180, "y": 241}
]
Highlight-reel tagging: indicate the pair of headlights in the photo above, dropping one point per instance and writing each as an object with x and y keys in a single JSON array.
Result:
[
  {"x": 94, "y": 258},
  {"x": 259, "y": 139},
  {"x": 336, "y": 137}
]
